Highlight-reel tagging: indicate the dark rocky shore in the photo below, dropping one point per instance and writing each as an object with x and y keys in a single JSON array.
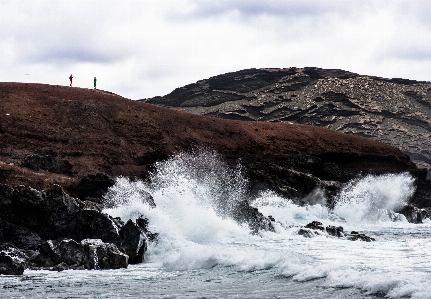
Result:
[{"x": 61, "y": 147}]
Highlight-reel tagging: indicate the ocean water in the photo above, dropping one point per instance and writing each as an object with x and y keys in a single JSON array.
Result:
[{"x": 203, "y": 253}]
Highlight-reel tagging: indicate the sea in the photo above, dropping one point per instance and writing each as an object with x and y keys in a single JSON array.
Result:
[{"x": 202, "y": 252}]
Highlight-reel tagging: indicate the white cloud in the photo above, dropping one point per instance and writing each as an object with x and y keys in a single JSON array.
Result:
[{"x": 146, "y": 48}]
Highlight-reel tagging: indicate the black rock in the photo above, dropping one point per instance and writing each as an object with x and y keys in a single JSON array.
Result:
[
  {"x": 354, "y": 236},
  {"x": 100, "y": 255},
  {"x": 60, "y": 210},
  {"x": 244, "y": 213},
  {"x": 28, "y": 207},
  {"x": 133, "y": 242},
  {"x": 87, "y": 254},
  {"x": 12, "y": 260},
  {"x": 316, "y": 225},
  {"x": 92, "y": 224},
  {"x": 19, "y": 236},
  {"x": 414, "y": 214},
  {"x": 308, "y": 233},
  {"x": 336, "y": 231}
]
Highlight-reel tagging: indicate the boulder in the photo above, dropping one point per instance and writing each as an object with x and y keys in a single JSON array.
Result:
[
  {"x": 308, "y": 233},
  {"x": 336, "y": 231},
  {"x": 316, "y": 228},
  {"x": 87, "y": 254},
  {"x": 244, "y": 213},
  {"x": 133, "y": 241},
  {"x": 100, "y": 255},
  {"x": 28, "y": 207},
  {"x": 414, "y": 214},
  {"x": 60, "y": 211},
  {"x": 92, "y": 224},
  {"x": 12, "y": 260},
  {"x": 316, "y": 225},
  {"x": 353, "y": 236}
]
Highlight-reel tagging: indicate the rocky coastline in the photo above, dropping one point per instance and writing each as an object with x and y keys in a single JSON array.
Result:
[{"x": 61, "y": 149}]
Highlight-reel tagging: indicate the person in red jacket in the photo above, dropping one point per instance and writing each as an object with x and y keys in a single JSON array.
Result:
[{"x": 70, "y": 78}]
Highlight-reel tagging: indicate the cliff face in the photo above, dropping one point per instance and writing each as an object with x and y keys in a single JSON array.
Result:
[
  {"x": 53, "y": 134},
  {"x": 393, "y": 111}
]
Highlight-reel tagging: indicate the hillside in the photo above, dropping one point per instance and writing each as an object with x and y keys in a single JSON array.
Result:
[
  {"x": 393, "y": 111},
  {"x": 55, "y": 134}
]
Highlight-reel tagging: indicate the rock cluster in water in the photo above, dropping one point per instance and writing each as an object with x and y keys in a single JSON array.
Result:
[
  {"x": 316, "y": 228},
  {"x": 51, "y": 230}
]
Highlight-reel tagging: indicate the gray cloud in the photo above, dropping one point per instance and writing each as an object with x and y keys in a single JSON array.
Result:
[
  {"x": 145, "y": 48},
  {"x": 256, "y": 8}
]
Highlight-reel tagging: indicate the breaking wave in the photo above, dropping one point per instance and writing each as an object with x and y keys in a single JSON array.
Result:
[{"x": 194, "y": 193}]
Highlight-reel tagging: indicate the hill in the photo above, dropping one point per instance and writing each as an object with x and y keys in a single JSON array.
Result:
[
  {"x": 56, "y": 134},
  {"x": 394, "y": 111}
]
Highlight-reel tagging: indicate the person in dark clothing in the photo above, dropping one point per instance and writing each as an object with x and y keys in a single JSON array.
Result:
[
  {"x": 95, "y": 81},
  {"x": 70, "y": 78}
]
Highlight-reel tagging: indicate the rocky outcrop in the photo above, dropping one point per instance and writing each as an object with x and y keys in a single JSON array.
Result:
[
  {"x": 316, "y": 228},
  {"x": 414, "y": 214},
  {"x": 87, "y": 254},
  {"x": 12, "y": 260},
  {"x": 52, "y": 230},
  {"x": 133, "y": 241},
  {"x": 244, "y": 213},
  {"x": 393, "y": 111}
]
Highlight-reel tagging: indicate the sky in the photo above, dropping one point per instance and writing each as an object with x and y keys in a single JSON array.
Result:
[{"x": 141, "y": 49}]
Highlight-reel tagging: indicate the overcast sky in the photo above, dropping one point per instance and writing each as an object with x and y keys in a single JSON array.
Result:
[{"x": 141, "y": 49}]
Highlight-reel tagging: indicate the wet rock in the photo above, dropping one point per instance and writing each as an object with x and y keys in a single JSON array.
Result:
[
  {"x": 116, "y": 196},
  {"x": 60, "y": 267},
  {"x": 316, "y": 225},
  {"x": 414, "y": 214},
  {"x": 5, "y": 195},
  {"x": 12, "y": 260},
  {"x": 334, "y": 217},
  {"x": 100, "y": 255},
  {"x": 354, "y": 236},
  {"x": 91, "y": 224},
  {"x": 308, "y": 233},
  {"x": 142, "y": 222},
  {"x": 244, "y": 213},
  {"x": 87, "y": 254},
  {"x": 336, "y": 231},
  {"x": 133, "y": 241}
]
